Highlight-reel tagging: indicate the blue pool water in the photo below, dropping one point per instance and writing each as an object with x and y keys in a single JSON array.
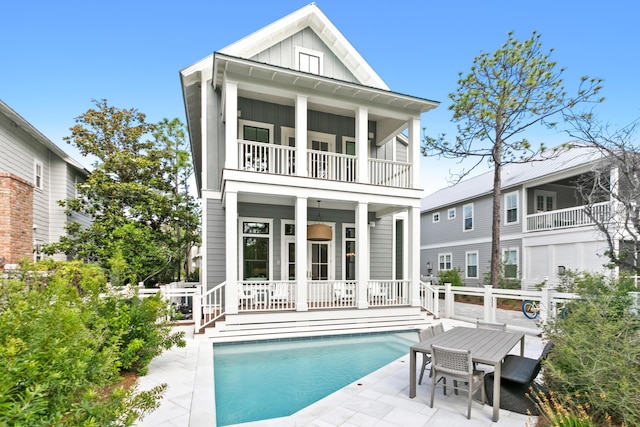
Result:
[{"x": 268, "y": 379}]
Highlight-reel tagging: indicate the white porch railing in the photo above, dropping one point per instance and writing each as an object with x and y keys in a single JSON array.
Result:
[
  {"x": 332, "y": 166},
  {"x": 267, "y": 158},
  {"x": 331, "y": 294},
  {"x": 387, "y": 293},
  {"x": 569, "y": 217},
  {"x": 390, "y": 174},
  {"x": 266, "y": 296},
  {"x": 429, "y": 299}
]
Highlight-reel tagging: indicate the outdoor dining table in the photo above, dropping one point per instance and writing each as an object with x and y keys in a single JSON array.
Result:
[{"x": 487, "y": 346}]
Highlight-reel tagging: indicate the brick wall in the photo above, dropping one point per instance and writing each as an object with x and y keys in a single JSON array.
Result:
[{"x": 16, "y": 218}]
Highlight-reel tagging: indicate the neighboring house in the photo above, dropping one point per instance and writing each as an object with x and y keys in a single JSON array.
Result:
[
  {"x": 290, "y": 128},
  {"x": 544, "y": 229},
  {"x": 34, "y": 175}
]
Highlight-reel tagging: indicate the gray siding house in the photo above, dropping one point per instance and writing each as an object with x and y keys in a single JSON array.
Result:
[
  {"x": 307, "y": 165},
  {"x": 34, "y": 175},
  {"x": 544, "y": 229}
]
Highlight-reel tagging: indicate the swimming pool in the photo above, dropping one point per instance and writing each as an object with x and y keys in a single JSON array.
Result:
[{"x": 269, "y": 379}]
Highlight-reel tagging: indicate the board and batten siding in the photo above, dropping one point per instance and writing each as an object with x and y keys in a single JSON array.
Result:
[
  {"x": 381, "y": 249},
  {"x": 216, "y": 243},
  {"x": 282, "y": 54}
]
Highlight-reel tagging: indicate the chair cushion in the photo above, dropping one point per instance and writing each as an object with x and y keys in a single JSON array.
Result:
[{"x": 520, "y": 369}]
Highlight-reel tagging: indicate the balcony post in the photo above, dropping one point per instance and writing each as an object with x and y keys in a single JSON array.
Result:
[
  {"x": 301, "y": 136},
  {"x": 231, "y": 264},
  {"x": 414, "y": 150},
  {"x": 362, "y": 144},
  {"x": 301, "y": 254},
  {"x": 230, "y": 101},
  {"x": 362, "y": 254},
  {"x": 413, "y": 254}
]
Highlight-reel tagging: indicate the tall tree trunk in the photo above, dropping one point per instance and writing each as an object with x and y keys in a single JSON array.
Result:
[{"x": 495, "y": 223}]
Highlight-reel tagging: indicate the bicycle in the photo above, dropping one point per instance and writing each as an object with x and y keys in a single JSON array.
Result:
[{"x": 531, "y": 310}]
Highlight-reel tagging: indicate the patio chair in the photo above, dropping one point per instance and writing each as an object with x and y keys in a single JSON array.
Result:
[
  {"x": 438, "y": 329},
  {"x": 377, "y": 292},
  {"x": 522, "y": 369},
  {"x": 280, "y": 293},
  {"x": 342, "y": 293},
  {"x": 489, "y": 325},
  {"x": 246, "y": 297},
  {"x": 457, "y": 365},
  {"x": 423, "y": 334}
]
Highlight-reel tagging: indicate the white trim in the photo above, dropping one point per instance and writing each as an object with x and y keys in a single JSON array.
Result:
[
  {"x": 445, "y": 255},
  {"x": 242, "y": 123},
  {"x": 297, "y": 50},
  {"x": 506, "y": 207},
  {"x": 479, "y": 240},
  {"x": 449, "y": 213},
  {"x": 329, "y": 138},
  {"x": 241, "y": 243},
  {"x": 343, "y": 253},
  {"x": 467, "y": 265},
  {"x": 435, "y": 217},
  {"x": 517, "y": 251},
  {"x": 38, "y": 178},
  {"x": 545, "y": 194},
  {"x": 284, "y": 248},
  {"x": 464, "y": 218},
  {"x": 346, "y": 139}
]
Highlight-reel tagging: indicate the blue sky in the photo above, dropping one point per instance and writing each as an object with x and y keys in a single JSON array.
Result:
[{"x": 57, "y": 56}]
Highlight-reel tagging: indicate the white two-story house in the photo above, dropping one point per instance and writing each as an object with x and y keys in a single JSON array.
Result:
[
  {"x": 34, "y": 175},
  {"x": 307, "y": 166},
  {"x": 544, "y": 227}
]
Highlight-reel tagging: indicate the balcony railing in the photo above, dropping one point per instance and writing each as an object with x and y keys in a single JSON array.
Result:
[
  {"x": 281, "y": 160},
  {"x": 567, "y": 218},
  {"x": 390, "y": 174}
]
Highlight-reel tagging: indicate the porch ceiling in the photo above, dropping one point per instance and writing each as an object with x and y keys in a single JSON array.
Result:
[{"x": 326, "y": 204}]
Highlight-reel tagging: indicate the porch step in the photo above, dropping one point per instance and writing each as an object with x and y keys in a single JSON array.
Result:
[{"x": 331, "y": 322}]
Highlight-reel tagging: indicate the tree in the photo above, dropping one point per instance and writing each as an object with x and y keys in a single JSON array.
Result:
[
  {"x": 615, "y": 179},
  {"x": 505, "y": 94},
  {"x": 131, "y": 195}
]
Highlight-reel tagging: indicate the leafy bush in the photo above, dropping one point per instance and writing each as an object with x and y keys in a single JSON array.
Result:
[
  {"x": 140, "y": 329},
  {"x": 596, "y": 359},
  {"x": 59, "y": 357},
  {"x": 450, "y": 276}
]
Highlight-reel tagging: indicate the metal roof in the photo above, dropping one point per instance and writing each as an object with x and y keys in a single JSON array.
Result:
[{"x": 545, "y": 164}]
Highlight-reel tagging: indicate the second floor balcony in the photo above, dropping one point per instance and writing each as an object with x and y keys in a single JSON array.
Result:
[
  {"x": 281, "y": 160},
  {"x": 576, "y": 216}
]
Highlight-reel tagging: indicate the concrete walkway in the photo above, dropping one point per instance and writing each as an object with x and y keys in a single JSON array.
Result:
[{"x": 379, "y": 399}]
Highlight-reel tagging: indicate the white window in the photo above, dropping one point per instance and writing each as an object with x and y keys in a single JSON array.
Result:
[
  {"x": 451, "y": 213},
  {"x": 472, "y": 264},
  {"x": 255, "y": 131},
  {"x": 37, "y": 174},
  {"x": 467, "y": 223},
  {"x": 545, "y": 200},
  {"x": 510, "y": 259},
  {"x": 309, "y": 61},
  {"x": 349, "y": 242},
  {"x": 435, "y": 217},
  {"x": 444, "y": 262},
  {"x": 511, "y": 207},
  {"x": 255, "y": 250}
]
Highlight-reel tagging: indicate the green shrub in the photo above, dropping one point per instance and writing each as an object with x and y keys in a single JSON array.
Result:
[
  {"x": 58, "y": 357},
  {"x": 450, "y": 276},
  {"x": 597, "y": 352}
]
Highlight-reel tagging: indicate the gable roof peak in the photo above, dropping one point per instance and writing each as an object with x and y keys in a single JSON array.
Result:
[{"x": 308, "y": 16}]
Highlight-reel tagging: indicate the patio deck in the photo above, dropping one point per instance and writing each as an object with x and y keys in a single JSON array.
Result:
[{"x": 379, "y": 399}]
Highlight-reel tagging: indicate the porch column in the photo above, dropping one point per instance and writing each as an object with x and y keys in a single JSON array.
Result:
[
  {"x": 301, "y": 137},
  {"x": 231, "y": 264},
  {"x": 362, "y": 144},
  {"x": 230, "y": 101},
  {"x": 362, "y": 254},
  {"x": 301, "y": 254},
  {"x": 414, "y": 151},
  {"x": 413, "y": 225}
]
